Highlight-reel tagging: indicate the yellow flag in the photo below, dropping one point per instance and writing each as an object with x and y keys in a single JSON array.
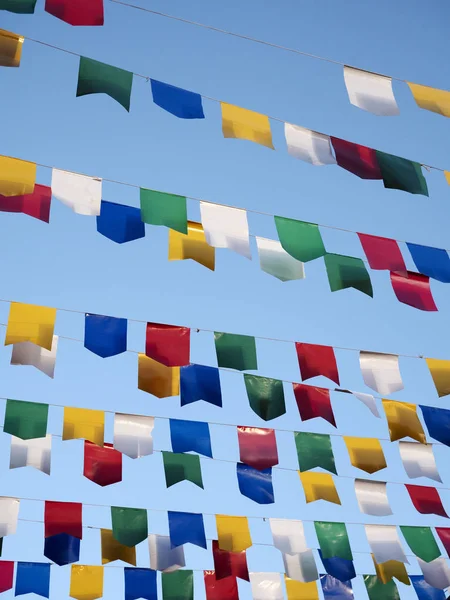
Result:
[
  {"x": 389, "y": 569},
  {"x": 447, "y": 176},
  {"x": 86, "y": 583},
  {"x": 233, "y": 533},
  {"x": 113, "y": 550},
  {"x": 193, "y": 245},
  {"x": 319, "y": 486},
  {"x": 440, "y": 372},
  {"x": 83, "y": 423},
  {"x": 30, "y": 323},
  {"x": 297, "y": 590},
  {"x": 246, "y": 125},
  {"x": 366, "y": 453},
  {"x": 157, "y": 379},
  {"x": 429, "y": 98},
  {"x": 10, "y": 48},
  {"x": 403, "y": 421},
  {"x": 17, "y": 177}
]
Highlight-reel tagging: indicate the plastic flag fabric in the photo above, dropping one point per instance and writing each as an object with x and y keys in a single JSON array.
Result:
[
  {"x": 81, "y": 193},
  {"x": 186, "y": 528},
  {"x": 120, "y": 223},
  {"x": 30, "y": 323},
  {"x": 62, "y": 549},
  {"x": 333, "y": 589},
  {"x": 421, "y": 541},
  {"x": 257, "y": 447},
  {"x": 403, "y": 421},
  {"x": 103, "y": 466},
  {"x": 314, "y": 450},
  {"x": 377, "y": 590},
  {"x": 440, "y": 372},
  {"x": 369, "y": 401},
  {"x": 192, "y": 246},
  {"x": 382, "y": 253},
  {"x": 372, "y": 498},
  {"x": 437, "y": 421},
  {"x": 432, "y": 99},
  {"x": 245, "y": 124},
  {"x": 63, "y": 517},
  {"x": 129, "y": 525},
  {"x": 381, "y": 372},
  {"x": 265, "y": 396},
  {"x": 21, "y": 7},
  {"x": 385, "y": 543},
  {"x": 426, "y": 500},
  {"x": 301, "y": 566},
  {"x": 133, "y": 435},
  {"x": 31, "y": 453},
  {"x": 6, "y": 575},
  {"x": 10, "y": 48},
  {"x": 168, "y": 344},
  {"x": 220, "y": 589},
  {"x": 288, "y": 536},
  {"x": 444, "y": 536},
  {"x": 178, "y": 102},
  {"x": 9, "y": 513},
  {"x": 436, "y": 573},
  {"x": 162, "y": 556},
  {"x": 26, "y": 420},
  {"x": 357, "y": 159},
  {"x": 84, "y": 423},
  {"x": 390, "y": 569},
  {"x": 433, "y": 262},
  {"x": 182, "y": 467},
  {"x": 300, "y": 239},
  {"x": 414, "y": 290},
  {"x": 424, "y": 590},
  {"x": 307, "y": 145},
  {"x": 297, "y": 590},
  {"x": 190, "y": 436},
  {"x": 17, "y": 177},
  {"x": 339, "y": 568},
  {"x": 228, "y": 564},
  {"x": 255, "y": 484},
  {"x": 347, "y": 272},
  {"x": 157, "y": 379},
  {"x": 140, "y": 583},
  {"x": 236, "y": 351},
  {"x": 36, "y": 204},
  {"x": 371, "y": 92},
  {"x": 32, "y": 578},
  {"x": 95, "y": 77},
  {"x": 105, "y": 336},
  {"x": 178, "y": 585},
  {"x": 319, "y": 486},
  {"x": 401, "y": 174},
  {"x": 233, "y": 533},
  {"x": 198, "y": 382},
  {"x": 113, "y": 550},
  {"x": 274, "y": 261},
  {"x": 419, "y": 461},
  {"x": 333, "y": 540},
  {"x": 266, "y": 586},
  {"x": 81, "y": 12},
  {"x": 365, "y": 454},
  {"x": 315, "y": 360},
  {"x": 226, "y": 227},
  {"x": 313, "y": 402},
  {"x": 28, "y": 354},
  {"x": 167, "y": 210},
  {"x": 86, "y": 583}
]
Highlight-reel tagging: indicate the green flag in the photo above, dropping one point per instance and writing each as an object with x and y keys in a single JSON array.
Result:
[
  {"x": 347, "y": 272},
  {"x": 178, "y": 585},
  {"x": 300, "y": 239},
  {"x": 236, "y": 351},
  {"x": 377, "y": 590},
  {"x": 181, "y": 467},
  {"x": 97, "y": 78},
  {"x": 129, "y": 525},
  {"x": 158, "y": 208},
  {"x": 314, "y": 450},
  {"x": 402, "y": 174},
  {"x": 26, "y": 420},
  {"x": 20, "y": 7},
  {"x": 333, "y": 540},
  {"x": 266, "y": 396},
  {"x": 421, "y": 541}
]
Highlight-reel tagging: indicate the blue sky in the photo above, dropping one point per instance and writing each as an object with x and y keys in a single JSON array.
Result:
[{"x": 67, "y": 264}]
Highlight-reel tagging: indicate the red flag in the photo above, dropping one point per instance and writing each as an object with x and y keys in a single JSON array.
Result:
[
  {"x": 414, "y": 290},
  {"x": 168, "y": 344},
  {"x": 313, "y": 402},
  {"x": 76, "y": 12},
  {"x": 258, "y": 447},
  {"x": 426, "y": 500},
  {"x": 382, "y": 253},
  {"x": 102, "y": 465},
  {"x": 63, "y": 517},
  {"x": 220, "y": 589},
  {"x": 35, "y": 205},
  {"x": 316, "y": 360},
  {"x": 359, "y": 160},
  {"x": 444, "y": 535},
  {"x": 6, "y": 575},
  {"x": 229, "y": 563}
]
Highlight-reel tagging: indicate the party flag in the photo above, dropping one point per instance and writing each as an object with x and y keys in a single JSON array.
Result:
[
  {"x": 226, "y": 227},
  {"x": 339, "y": 568},
  {"x": 255, "y": 484},
  {"x": 300, "y": 239},
  {"x": 426, "y": 500},
  {"x": 157, "y": 379},
  {"x": 198, "y": 382},
  {"x": 381, "y": 372},
  {"x": 80, "y": 12},
  {"x": 419, "y": 461},
  {"x": 369, "y": 401},
  {"x": 421, "y": 541},
  {"x": 186, "y": 528},
  {"x": 133, "y": 435},
  {"x": 168, "y": 210},
  {"x": 84, "y": 423},
  {"x": 9, "y": 513},
  {"x": 266, "y": 396},
  {"x": 30, "y": 323},
  {"x": 228, "y": 564},
  {"x": 301, "y": 566},
  {"x": 333, "y": 540},
  {"x": 120, "y": 223},
  {"x": 319, "y": 486},
  {"x": 432, "y": 99},
  {"x": 32, "y": 578},
  {"x": 190, "y": 436},
  {"x": 391, "y": 568},
  {"x": 26, "y": 420},
  {"x": 297, "y": 590},
  {"x": 168, "y": 344},
  {"x": 371, "y": 92},
  {"x": 113, "y": 550},
  {"x": 178, "y": 102},
  {"x": 266, "y": 586},
  {"x": 178, "y": 585},
  {"x": 313, "y": 402},
  {"x": 444, "y": 536},
  {"x": 288, "y": 536},
  {"x": 365, "y": 453},
  {"x": 81, "y": 193},
  {"x": 436, "y": 572},
  {"x": 193, "y": 246},
  {"x": 162, "y": 556},
  {"x": 378, "y": 590},
  {"x": 233, "y": 533},
  {"x": 429, "y": 261},
  {"x": 6, "y": 575},
  {"x": 95, "y": 77},
  {"x": 372, "y": 497},
  {"x": 424, "y": 590},
  {"x": 21, "y": 7},
  {"x": 403, "y": 421},
  {"x": 103, "y": 466},
  {"x": 401, "y": 174},
  {"x": 62, "y": 549},
  {"x": 220, "y": 589},
  {"x": 31, "y": 453},
  {"x": 314, "y": 450},
  {"x": 36, "y": 204},
  {"x": 437, "y": 421},
  {"x": 182, "y": 467},
  {"x": 129, "y": 525},
  {"x": 333, "y": 589},
  {"x": 382, "y": 253},
  {"x": 385, "y": 543},
  {"x": 278, "y": 263},
  {"x": 105, "y": 336},
  {"x": 356, "y": 159},
  {"x": 17, "y": 177},
  {"x": 308, "y": 145},
  {"x": 257, "y": 447},
  {"x": 414, "y": 290},
  {"x": 10, "y": 48},
  {"x": 315, "y": 360},
  {"x": 440, "y": 372},
  {"x": 245, "y": 124},
  {"x": 28, "y": 354},
  {"x": 63, "y": 517},
  {"x": 86, "y": 583},
  {"x": 236, "y": 351},
  {"x": 140, "y": 583},
  {"x": 347, "y": 272}
]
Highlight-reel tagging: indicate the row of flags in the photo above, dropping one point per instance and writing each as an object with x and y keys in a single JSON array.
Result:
[{"x": 75, "y": 12}]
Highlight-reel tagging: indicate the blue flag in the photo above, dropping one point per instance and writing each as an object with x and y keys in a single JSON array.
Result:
[
  {"x": 140, "y": 583},
  {"x": 198, "y": 382},
  {"x": 190, "y": 436},
  {"x": 186, "y": 528},
  {"x": 179, "y": 102},
  {"x": 105, "y": 336},
  {"x": 254, "y": 484},
  {"x": 335, "y": 589},
  {"x": 433, "y": 262},
  {"x": 424, "y": 590},
  {"x": 63, "y": 549},
  {"x": 339, "y": 568},
  {"x": 120, "y": 223},
  {"x": 437, "y": 421},
  {"x": 32, "y": 578}
]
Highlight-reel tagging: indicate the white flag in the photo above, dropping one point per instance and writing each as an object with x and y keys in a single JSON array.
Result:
[
  {"x": 307, "y": 145},
  {"x": 288, "y": 536},
  {"x": 385, "y": 543},
  {"x": 266, "y": 586},
  {"x": 133, "y": 435},
  {"x": 31, "y": 453},
  {"x": 274, "y": 260},
  {"x": 162, "y": 556},
  {"x": 418, "y": 460},
  {"x": 371, "y": 92},
  {"x": 381, "y": 372},
  {"x": 27, "y": 353},
  {"x": 369, "y": 401},
  {"x": 436, "y": 573},
  {"x": 301, "y": 566},
  {"x": 9, "y": 513},
  {"x": 81, "y": 193},
  {"x": 226, "y": 227},
  {"x": 372, "y": 498}
]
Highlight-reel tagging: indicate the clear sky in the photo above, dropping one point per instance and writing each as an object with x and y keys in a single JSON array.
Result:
[{"x": 68, "y": 264}]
